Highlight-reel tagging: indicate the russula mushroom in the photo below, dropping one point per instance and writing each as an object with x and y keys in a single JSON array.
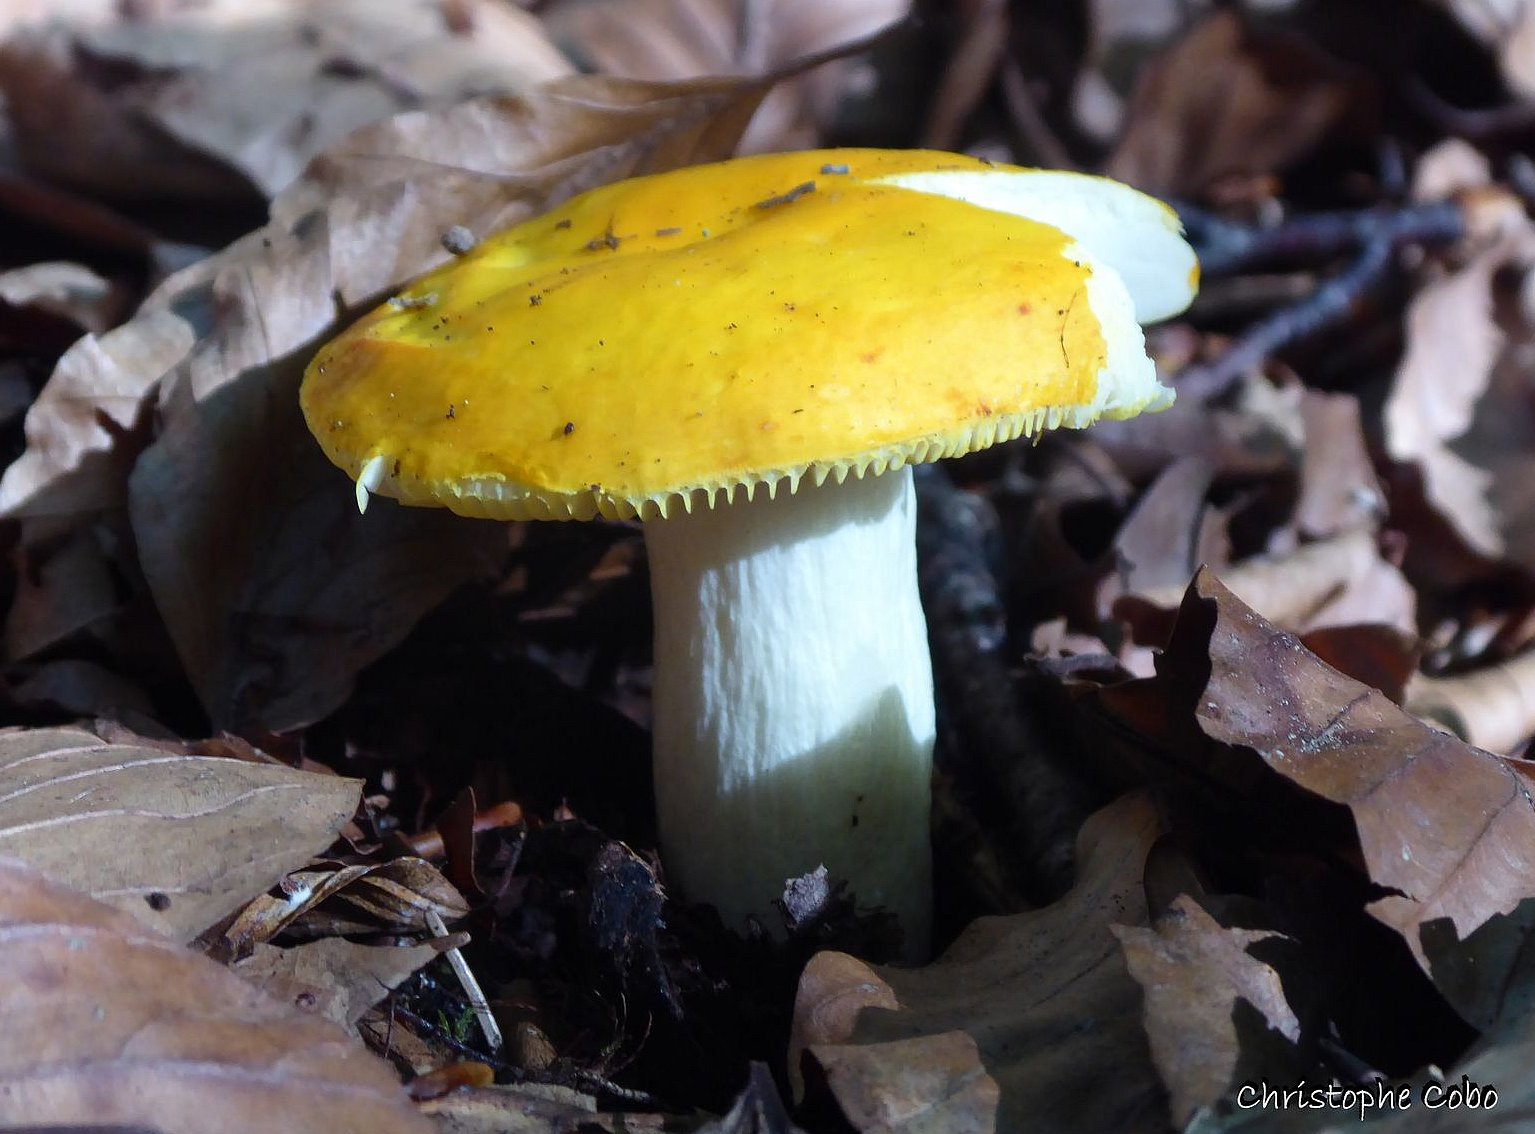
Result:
[{"x": 749, "y": 356}]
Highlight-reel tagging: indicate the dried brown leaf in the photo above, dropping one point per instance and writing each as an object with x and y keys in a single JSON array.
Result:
[
  {"x": 393, "y": 189},
  {"x": 685, "y": 39},
  {"x": 534, "y": 1108},
  {"x": 941, "y": 1084},
  {"x": 1508, "y": 27},
  {"x": 1341, "y": 580},
  {"x": 78, "y": 421},
  {"x": 1197, "y": 976},
  {"x": 1378, "y": 656},
  {"x": 64, "y": 584},
  {"x": 274, "y": 591},
  {"x": 178, "y": 841},
  {"x": 257, "y": 89},
  {"x": 1446, "y": 830},
  {"x": 1020, "y": 987},
  {"x": 61, "y": 288},
  {"x": 1492, "y": 707},
  {"x": 1168, "y": 534},
  {"x": 1339, "y": 490},
  {"x": 333, "y": 978},
  {"x": 272, "y": 587},
  {"x": 103, "y": 1023},
  {"x": 388, "y": 897},
  {"x": 1229, "y": 99},
  {"x": 82, "y": 688},
  {"x": 1453, "y": 343}
]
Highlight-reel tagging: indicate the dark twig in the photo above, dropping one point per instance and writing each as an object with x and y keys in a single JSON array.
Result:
[
  {"x": 1225, "y": 248},
  {"x": 998, "y": 759},
  {"x": 1044, "y": 147},
  {"x": 1484, "y": 124}
]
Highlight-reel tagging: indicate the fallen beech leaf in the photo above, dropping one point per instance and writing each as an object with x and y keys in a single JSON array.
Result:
[
  {"x": 1339, "y": 491},
  {"x": 1453, "y": 344},
  {"x": 684, "y": 39},
  {"x": 274, "y": 614},
  {"x": 386, "y": 897},
  {"x": 1447, "y": 831},
  {"x": 941, "y": 1084},
  {"x": 392, "y": 189},
  {"x": 1021, "y": 987},
  {"x": 1231, "y": 99},
  {"x": 61, "y": 288},
  {"x": 64, "y": 584},
  {"x": 1170, "y": 532},
  {"x": 178, "y": 841},
  {"x": 89, "y": 404},
  {"x": 1508, "y": 28},
  {"x": 1378, "y": 656},
  {"x": 82, "y": 688},
  {"x": 1198, "y": 976},
  {"x": 539, "y": 1108},
  {"x": 257, "y": 89},
  {"x": 1335, "y": 581},
  {"x": 1492, "y": 707},
  {"x": 333, "y": 978},
  {"x": 104, "y": 1023}
]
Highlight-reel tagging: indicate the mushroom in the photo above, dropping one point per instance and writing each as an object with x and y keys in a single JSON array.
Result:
[{"x": 749, "y": 357}]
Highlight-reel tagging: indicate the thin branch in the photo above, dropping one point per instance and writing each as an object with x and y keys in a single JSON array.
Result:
[{"x": 1379, "y": 234}]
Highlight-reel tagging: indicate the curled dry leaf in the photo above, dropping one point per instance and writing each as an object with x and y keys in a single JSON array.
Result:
[
  {"x": 90, "y": 403},
  {"x": 333, "y": 978},
  {"x": 1205, "y": 996},
  {"x": 1020, "y": 988},
  {"x": 1492, "y": 707},
  {"x": 179, "y": 841},
  {"x": 64, "y": 584},
  {"x": 104, "y": 1023},
  {"x": 1339, "y": 491},
  {"x": 685, "y": 39},
  {"x": 1445, "y": 830},
  {"x": 1229, "y": 100},
  {"x": 1336, "y": 581},
  {"x": 387, "y": 897},
  {"x": 71, "y": 291},
  {"x": 274, "y": 591},
  {"x": 82, "y": 689},
  {"x": 1170, "y": 533},
  {"x": 545, "y": 1108},
  {"x": 1502, "y": 1008},
  {"x": 1509, "y": 29},
  {"x": 198, "y": 101},
  {"x": 392, "y": 189},
  {"x": 1453, "y": 344}
]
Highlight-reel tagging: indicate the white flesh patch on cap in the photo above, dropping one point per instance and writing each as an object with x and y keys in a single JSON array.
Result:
[
  {"x": 1127, "y": 384},
  {"x": 1136, "y": 236}
]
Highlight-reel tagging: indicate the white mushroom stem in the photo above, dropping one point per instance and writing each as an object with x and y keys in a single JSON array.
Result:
[{"x": 794, "y": 699}]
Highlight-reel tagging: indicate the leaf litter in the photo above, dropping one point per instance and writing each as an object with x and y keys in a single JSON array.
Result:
[{"x": 1191, "y": 834}]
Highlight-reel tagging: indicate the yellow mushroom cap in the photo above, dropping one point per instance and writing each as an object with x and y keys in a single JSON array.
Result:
[{"x": 659, "y": 342}]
